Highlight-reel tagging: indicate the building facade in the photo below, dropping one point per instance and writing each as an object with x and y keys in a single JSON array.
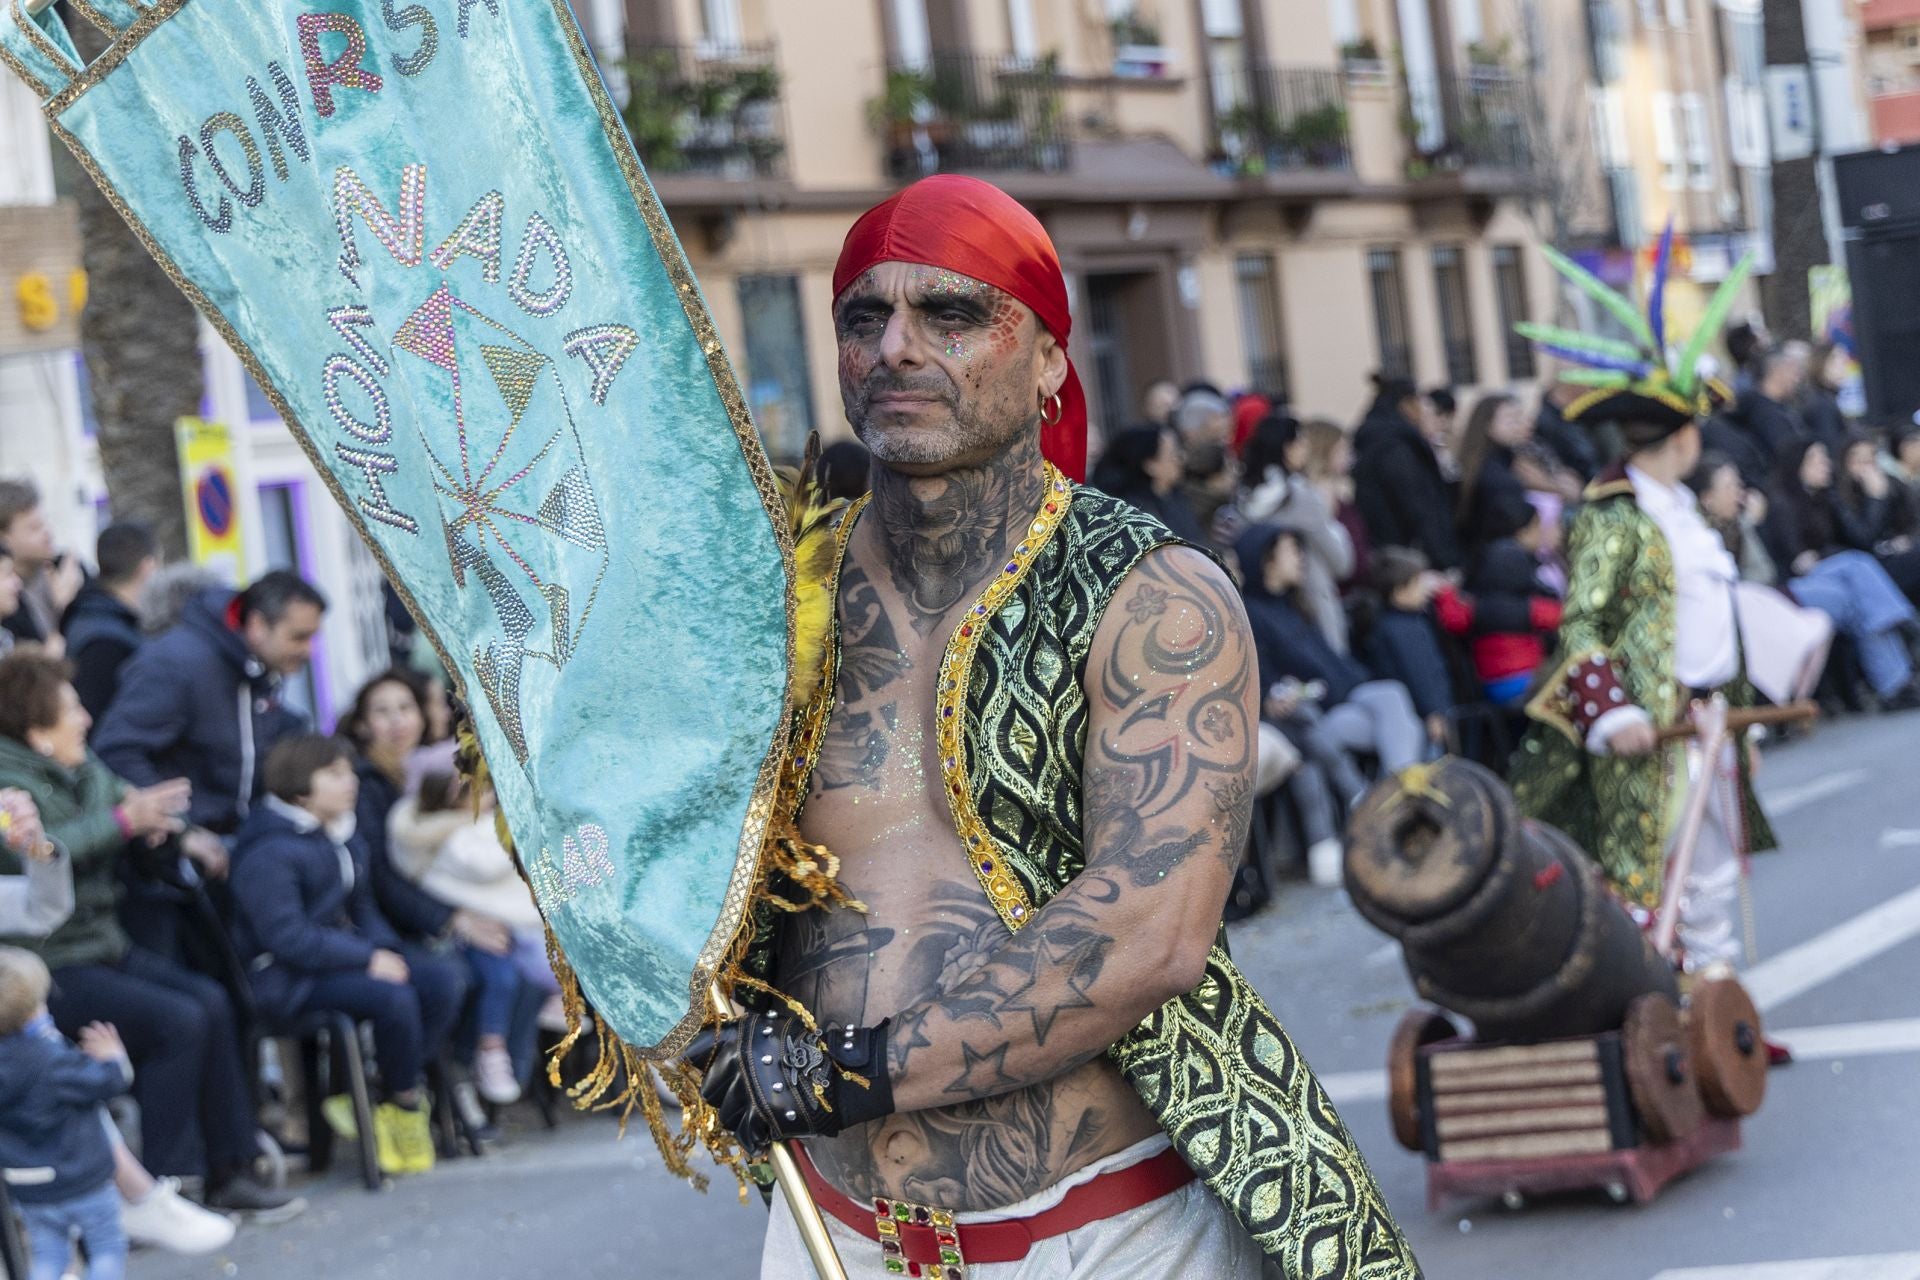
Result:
[
  {"x": 1249, "y": 193},
  {"x": 1893, "y": 68}
]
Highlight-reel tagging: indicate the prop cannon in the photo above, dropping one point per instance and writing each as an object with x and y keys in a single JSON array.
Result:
[{"x": 1585, "y": 1066}]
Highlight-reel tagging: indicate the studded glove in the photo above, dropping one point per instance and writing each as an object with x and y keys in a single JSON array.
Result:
[{"x": 771, "y": 1079}]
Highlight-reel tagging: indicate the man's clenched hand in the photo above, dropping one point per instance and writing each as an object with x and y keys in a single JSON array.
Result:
[{"x": 771, "y": 1079}]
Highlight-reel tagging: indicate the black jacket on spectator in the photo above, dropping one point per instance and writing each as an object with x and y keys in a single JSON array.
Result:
[
  {"x": 1799, "y": 520},
  {"x": 1503, "y": 583},
  {"x": 1776, "y": 429},
  {"x": 411, "y": 910},
  {"x": 102, "y": 634},
  {"x": 1722, "y": 435},
  {"x": 303, "y": 906},
  {"x": 1399, "y": 489},
  {"x": 1866, "y": 522},
  {"x": 1404, "y": 646},
  {"x": 50, "y": 1096},
  {"x": 1820, "y": 412},
  {"x": 1285, "y": 640},
  {"x": 1496, "y": 492},
  {"x": 194, "y": 704}
]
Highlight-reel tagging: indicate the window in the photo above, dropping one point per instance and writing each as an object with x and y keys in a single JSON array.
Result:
[
  {"x": 1345, "y": 15},
  {"x": 721, "y": 20},
  {"x": 1456, "y": 316},
  {"x": 912, "y": 37},
  {"x": 1603, "y": 37},
  {"x": 1390, "y": 312},
  {"x": 1623, "y": 192},
  {"x": 1677, "y": 14},
  {"x": 1260, "y": 326},
  {"x": 779, "y": 390},
  {"x": 1666, "y": 141},
  {"x": 1693, "y": 116},
  {"x": 1510, "y": 294},
  {"x": 1466, "y": 22},
  {"x": 1023, "y": 37}
]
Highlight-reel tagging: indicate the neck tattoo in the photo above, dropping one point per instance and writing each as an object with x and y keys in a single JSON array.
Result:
[{"x": 943, "y": 535}]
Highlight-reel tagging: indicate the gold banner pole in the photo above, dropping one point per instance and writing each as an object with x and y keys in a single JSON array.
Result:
[{"x": 793, "y": 1185}]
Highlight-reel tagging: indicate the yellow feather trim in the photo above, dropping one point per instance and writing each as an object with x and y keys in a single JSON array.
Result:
[{"x": 810, "y": 515}]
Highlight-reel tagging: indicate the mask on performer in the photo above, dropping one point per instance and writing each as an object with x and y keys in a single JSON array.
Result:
[{"x": 974, "y": 229}]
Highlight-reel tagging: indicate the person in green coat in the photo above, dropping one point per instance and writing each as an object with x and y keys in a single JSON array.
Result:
[{"x": 196, "y": 1118}]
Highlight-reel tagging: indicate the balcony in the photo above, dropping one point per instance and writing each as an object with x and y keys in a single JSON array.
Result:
[
  {"x": 1481, "y": 120},
  {"x": 703, "y": 111},
  {"x": 1888, "y": 15},
  {"x": 1280, "y": 119},
  {"x": 967, "y": 113}
]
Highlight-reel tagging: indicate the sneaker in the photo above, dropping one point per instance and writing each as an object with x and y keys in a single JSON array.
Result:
[
  {"x": 170, "y": 1221},
  {"x": 338, "y": 1113},
  {"x": 403, "y": 1138},
  {"x": 1324, "y": 859},
  {"x": 244, "y": 1194},
  {"x": 473, "y": 1116},
  {"x": 493, "y": 1075},
  {"x": 553, "y": 1016}
]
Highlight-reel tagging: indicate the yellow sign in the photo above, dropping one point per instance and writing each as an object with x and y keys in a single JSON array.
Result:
[{"x": 212, "y": 496}]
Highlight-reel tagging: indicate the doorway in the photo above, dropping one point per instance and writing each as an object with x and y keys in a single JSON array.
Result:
[{"x": 1129, "y": 345}]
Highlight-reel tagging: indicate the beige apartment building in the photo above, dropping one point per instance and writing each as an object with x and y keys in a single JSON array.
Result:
[{"x": 1277, "y": 194}]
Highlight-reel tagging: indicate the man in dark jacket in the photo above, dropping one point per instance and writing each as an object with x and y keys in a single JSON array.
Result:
[
  {"x": 102, "y": 625},
  {"x": 1766, "y": 414},
  {"x": 1397, "y": 481},
  {"x": 202, "y": 701},
  {"x": 1573, "y": 445}
]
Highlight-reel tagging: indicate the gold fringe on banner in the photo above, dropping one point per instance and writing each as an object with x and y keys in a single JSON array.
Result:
[{"x": 794, "y": 875}]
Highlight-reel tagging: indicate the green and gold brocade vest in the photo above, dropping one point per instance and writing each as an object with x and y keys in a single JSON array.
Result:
[{"x": 1214, "y": 1068}]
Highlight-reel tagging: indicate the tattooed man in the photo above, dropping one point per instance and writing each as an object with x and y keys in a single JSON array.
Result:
[{"x": 1033, "y": 755}]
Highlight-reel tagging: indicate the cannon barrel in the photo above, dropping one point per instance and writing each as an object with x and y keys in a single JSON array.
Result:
[{"x": 1500, "y": 919}]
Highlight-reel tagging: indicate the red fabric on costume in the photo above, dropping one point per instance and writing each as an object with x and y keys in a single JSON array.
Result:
[
  {"x": 1248, "y": 410},
  {"x": 974, "y": 228}
]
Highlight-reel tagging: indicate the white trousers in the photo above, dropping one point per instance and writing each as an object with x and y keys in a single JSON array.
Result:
[
  {"x": 1710, "y": 900},
  {"x": 1185, "y": 1233}
]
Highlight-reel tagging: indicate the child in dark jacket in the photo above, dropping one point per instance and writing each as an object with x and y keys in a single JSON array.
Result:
[
  {"x": 54, "y": 1144},
  {"x": 1402, "y": 643},
  {"x": 306, "y": 921},
  {"x": 1514, "y": 613}
]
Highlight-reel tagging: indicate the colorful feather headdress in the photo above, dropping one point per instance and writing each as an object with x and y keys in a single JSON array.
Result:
[{"x": 1654, "y": 377}]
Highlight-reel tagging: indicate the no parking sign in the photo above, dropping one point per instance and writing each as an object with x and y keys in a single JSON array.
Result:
[{"x": 212, "y": 496}]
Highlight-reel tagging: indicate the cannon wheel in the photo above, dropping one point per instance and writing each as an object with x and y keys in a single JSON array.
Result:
[
  {"x": 1659, "y": 1075},
  {"x": 1419, "y": 1026},
  {"x": 1723, "y": 1036}
]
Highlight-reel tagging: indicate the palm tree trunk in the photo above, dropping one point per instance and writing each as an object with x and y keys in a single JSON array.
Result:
[{"x": 140, "y": 337}]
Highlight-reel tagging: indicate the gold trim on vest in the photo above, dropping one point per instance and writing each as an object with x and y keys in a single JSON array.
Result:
[{"x": 1004, "y": 891}]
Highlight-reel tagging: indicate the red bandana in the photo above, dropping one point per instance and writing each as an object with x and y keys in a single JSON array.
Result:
[{"x": 974, "y": 228}]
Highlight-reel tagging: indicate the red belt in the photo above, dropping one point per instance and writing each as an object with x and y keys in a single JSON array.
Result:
[{"x": 924, "y": 1240}]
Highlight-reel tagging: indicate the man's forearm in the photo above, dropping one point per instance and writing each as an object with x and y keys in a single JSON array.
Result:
[{"x": 1052, "y": 997}]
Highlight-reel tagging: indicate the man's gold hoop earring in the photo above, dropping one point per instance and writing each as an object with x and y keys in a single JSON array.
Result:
[{"x": 1057, "y": 405}]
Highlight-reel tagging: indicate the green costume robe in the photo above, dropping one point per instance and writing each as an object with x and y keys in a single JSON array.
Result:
[
  {"x": 1215, "y": 1068},
  {"x": 1620, "y": 607}
]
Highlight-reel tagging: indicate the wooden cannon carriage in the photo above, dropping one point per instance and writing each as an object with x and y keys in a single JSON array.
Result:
[{"x": 1586, "y": 1067}]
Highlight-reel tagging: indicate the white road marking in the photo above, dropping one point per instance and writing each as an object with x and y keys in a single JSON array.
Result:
[
  {"x": 1786, "y": 799},
  {"x": 1809, "y": 1044},
  {"x": 1780, "y": 978},
  {"x": 1882, "y": 1266},
  {"x": 1898, "y": 838}
]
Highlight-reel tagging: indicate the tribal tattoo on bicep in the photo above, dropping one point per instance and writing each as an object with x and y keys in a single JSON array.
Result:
[{"x": 1174, "y": 714}]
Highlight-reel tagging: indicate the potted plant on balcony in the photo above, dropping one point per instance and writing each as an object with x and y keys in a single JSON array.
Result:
[
  {"x": 1138, "y": 53},
  {"x": 1319, "y": 136},
  {"x": 658, "y": 109},
  {"x": 1360, "y": 59}
]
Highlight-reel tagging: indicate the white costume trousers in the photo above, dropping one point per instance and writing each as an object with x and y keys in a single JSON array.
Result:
[{"x": 1710, "y": 900}]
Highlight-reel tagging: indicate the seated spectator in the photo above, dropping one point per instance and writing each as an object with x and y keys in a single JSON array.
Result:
[
  {"x": 1439, "y": 414},
  {"x": 1159, "y": 402},
  {"x": 1360, "y": 714},
  {"x": 10, "y": 586},
  {"x": 1329, "y": 468},
  {"x": 1766, "y": 415},
  {"x": 1401, "y": 490},
  {"x": 1274, "y": 489},
  {"x": 1747, "y": 342},
  {"x": 1402, "y": 644},
  {"x": 1848, "y": 586},
  {"x": 1819, "y": 405},
  {"x": 49, "y": 578},
  {"x": 1514, "y": 613},
  {"x": 464, "y": 863},
  {"x": 1573, "y": 446},
  {"x": 1878, "y": 515},
  {"x": 306, "y": 921},
  {"x": 1146, "y": 466},
  {"x": 196, "y": 1119},
  {"x": 53, "y": 1132},
  {"x": 102, "y": 625},
  {"x": 1205, "y": 424},
  {"x": 1903, "y": 455}
]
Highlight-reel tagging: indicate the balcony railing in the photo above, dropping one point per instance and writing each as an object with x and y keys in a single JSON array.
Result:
[
  {"x": 972, "y": 113},
  {"x": 704, "y": 109},
  {"x": 1280, "y": 118},
  {"x": 1481, "y": 120}
]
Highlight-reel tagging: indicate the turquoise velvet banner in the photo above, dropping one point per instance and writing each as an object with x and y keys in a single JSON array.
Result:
[{"x": 425, "y": 231}]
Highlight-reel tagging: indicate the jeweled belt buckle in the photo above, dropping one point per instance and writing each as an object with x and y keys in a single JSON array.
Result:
[{"x": 918, "y": 1230}]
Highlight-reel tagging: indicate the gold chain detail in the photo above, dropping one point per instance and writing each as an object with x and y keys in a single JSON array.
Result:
[{"x": 1008, "y": 896}]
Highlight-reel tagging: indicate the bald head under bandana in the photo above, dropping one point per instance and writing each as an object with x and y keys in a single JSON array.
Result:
[{"x": 972, "y": 227}]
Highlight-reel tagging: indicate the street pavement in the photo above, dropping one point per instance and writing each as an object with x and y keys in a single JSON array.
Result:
[{"x": 1823, "y": 1188}]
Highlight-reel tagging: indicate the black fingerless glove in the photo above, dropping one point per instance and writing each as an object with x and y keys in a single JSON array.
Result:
[{"x": 771, "y": 1079}]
